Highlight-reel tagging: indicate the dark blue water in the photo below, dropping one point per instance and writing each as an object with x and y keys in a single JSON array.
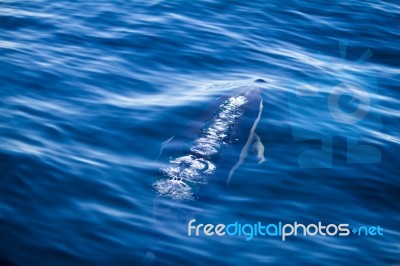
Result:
[{"x": 89, "y": 91}]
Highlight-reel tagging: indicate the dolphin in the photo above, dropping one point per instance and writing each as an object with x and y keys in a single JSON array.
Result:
[{"x": 200, "y": 160}]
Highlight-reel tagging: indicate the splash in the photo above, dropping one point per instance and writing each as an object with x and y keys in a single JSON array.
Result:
[{"x": 186, "y": 172}]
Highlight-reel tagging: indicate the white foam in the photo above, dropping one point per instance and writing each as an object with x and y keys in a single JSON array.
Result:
[{"x": 195, "y": 169}]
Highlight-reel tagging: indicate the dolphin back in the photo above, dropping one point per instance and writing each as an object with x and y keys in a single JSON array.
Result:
[{"x": 200, "y": 160}]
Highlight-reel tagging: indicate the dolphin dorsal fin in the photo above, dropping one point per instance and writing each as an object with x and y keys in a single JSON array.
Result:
[{"x": 258, "y": 149}]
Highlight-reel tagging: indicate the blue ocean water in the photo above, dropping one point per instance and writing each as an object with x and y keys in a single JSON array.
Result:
[{"x": 89, "y": 91}]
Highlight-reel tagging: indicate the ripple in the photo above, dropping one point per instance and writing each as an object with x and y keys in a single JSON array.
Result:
[{"x": 90, "y": 90}]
